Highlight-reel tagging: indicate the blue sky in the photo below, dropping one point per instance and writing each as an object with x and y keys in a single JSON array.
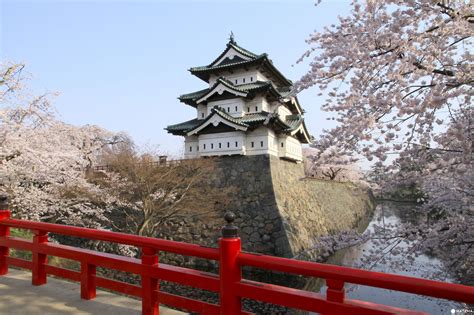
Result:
[{"x": 122, "y": 64}]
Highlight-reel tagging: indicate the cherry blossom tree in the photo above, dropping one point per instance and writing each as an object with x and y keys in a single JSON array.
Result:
[
  {"x": 331, "y": 164},
  {"x": 43, "y": 160},
  {"x": 398, "y": 76}
]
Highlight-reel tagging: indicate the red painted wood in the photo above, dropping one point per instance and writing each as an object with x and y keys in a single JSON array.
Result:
[
  {"x": 88, "y": 283},
  {"x": 443, "y": 290},
  {"x": 194, "y": 278},
  {"x": 63, "y": 273},
  {"x": 21, "y": 263},
  {"x": 120, "y": 238},
  {"x": 229, "y": 283},
  {"x": 307, "y": 301},
  {"x": 230, "y": 276},
  {"x": 150, "y": 286},
  {"x": 39, "y": 259},
  {"x": 198, "y": 279},
  {"x": 335, "y": 291},
  {"x": 4, "y": 250},
  {"x": 188, "y": 304},
  {"x": 119, "y": 286}
]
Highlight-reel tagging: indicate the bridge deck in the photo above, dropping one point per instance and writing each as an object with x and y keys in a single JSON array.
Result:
[{"x": 58, "y": 297}]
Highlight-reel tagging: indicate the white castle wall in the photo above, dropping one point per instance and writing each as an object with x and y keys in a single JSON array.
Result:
[
  {"x": 234, "y": 107},
  {"x": 239, "y": 76},
  {"x": 290, "y": 148},
  {"x": 225, "y": 143}
]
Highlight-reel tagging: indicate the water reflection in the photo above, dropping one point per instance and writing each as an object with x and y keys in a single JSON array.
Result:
[{"x": 395, "y": 213}]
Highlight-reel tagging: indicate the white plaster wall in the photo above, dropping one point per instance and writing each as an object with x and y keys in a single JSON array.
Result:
[
  {"x": 291, "y": 148},
  {"x": 263, "y": 140},
  {"x": 261, "y": 77},
  {"x": 201, "y": 111},
  {"x": 191, "y": 147},
  {"x": 234, "y": 106},
  {"x": 236, "y": 77},
  {"x": 230, "y": 143},
  {"x": 283, "y": 111},
  {"x": 256, "y": 105},
  {"x": 239, "y": 76}
]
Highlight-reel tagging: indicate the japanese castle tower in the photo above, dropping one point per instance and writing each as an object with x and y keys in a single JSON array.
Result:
[{"x": 246, "y": 110}]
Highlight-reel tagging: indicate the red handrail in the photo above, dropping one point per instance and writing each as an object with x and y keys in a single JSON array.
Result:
[
  {"x": 229, "y": 283},
  {"x": 120, "y": 238}
]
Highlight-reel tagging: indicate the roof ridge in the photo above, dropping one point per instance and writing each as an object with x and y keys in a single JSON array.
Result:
[
  {"x": 229, "y": 84},
  {"x": 242, "y": 50},
  {"x": 192, "y": 93}
]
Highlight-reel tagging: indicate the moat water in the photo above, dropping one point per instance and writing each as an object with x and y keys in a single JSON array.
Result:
[{"x": 423, "y": 266}]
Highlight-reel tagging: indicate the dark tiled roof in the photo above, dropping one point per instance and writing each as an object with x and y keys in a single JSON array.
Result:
[
  {"x": 193, "y": 95},
  {"x": 204, "y": 71},
  {"x": 183, "y": 126},
  {"x": 211, "y": 68},
  {"x": 245, "y": 121},
  {"x": 291, "y": 123},
  {"x": 233, "y": 44},
  {"x": 191, "y": 98}
]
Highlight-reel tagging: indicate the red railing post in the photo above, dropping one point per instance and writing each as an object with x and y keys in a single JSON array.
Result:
[
  {"x": 39, "y": 260},
  {"x": 335, "y": 291},
  {"x": 150, "y": 286},
  {"x": 229, "y": 270},
  {"x": 4, "y": 232},
  {"x": 88, "y": 287}
]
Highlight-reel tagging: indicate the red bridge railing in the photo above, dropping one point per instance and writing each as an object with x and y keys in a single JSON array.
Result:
[{"x": 228, "y": 284}]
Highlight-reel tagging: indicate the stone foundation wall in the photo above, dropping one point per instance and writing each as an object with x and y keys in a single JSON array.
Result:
[{"x": 279, "y": 212}]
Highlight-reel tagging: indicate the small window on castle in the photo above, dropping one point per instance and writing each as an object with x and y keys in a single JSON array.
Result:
[
  {"x": 202, "y": 115},
  {"x": 282, "y": 144},
  {"x": 228, "y": 144},
  {"x": 212, "y": 145},
  {"x": 235, "y": 108},
  {"x": 220, "y": 145},
  {"x": 190, "y": 149},
  {"x": 243, "y": 80},
  {"x": 235, "y": 81},
  {"x": 261, "y": 144},
  {"x": 204, "y": 146},
  {"x": 256, "y": 108},
  {"x": 236, "y": 144},
  {"x": 197, "y": 148},
  {"x": 248, "y": 109},
  {"x": 251, "y": 79},
  {"x": 252, "y": 144}
]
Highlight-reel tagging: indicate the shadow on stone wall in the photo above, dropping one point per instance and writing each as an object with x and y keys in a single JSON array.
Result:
[{"x": 279, "y": 211}]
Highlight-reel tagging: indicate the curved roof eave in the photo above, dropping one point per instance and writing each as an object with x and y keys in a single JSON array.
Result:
[
  {"x": 233, "y": 45},
  {"x": 230, "y": 88},
  {"x": 304, "y": 131},
  {"x": 203, "y": 72},
  {"x": 225, "y": 118}
]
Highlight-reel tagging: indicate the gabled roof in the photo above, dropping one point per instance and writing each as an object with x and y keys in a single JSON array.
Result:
[
  {"x": 232, "y": 44},
  {"x": 246, "y": 59},
  {"x": 220, "y": 86},
  {"x": 298, "y": 127},
  {"x": 244, "y": 90},
  {"x": 292, "y": 102},
  {"x": 216, "y": 117},
  {"x": 294, "y": 124},
  {"x": 249, "y": 120},
  {"x": 179, "y": 129}
]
